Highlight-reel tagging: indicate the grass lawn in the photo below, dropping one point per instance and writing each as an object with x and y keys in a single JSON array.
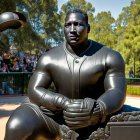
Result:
[{"x": 133, "y": 90}]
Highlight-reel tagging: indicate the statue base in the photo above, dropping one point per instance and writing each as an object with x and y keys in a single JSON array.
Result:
[{"x": 124, "y": 126}]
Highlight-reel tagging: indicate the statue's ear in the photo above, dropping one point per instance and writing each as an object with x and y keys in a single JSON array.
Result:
[{"x": 88, "y": 28}]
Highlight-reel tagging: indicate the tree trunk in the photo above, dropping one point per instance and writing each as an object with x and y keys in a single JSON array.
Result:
[{"x": 134, "y": 66}]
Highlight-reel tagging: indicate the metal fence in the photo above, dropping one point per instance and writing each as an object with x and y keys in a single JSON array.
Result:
[
  {"x": 133, "y": 86},
  {"x": 17, "y": 82},
  {"x": 14, "y": 83}
]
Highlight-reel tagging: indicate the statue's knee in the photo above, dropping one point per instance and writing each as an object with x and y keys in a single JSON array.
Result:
[
  {"x": 12, "y": 125},
  {"x": 28, "y": 121},
  {"x": 21, "y": 123},
  {"x": 15, "y": 129}
]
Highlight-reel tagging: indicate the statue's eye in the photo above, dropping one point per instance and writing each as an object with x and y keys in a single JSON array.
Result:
[
  {"x": 67, "y": 25},
  {"x": 80, "y": 24}
]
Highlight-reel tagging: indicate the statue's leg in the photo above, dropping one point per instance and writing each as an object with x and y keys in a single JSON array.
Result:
[{"x": 28, "y": 123}]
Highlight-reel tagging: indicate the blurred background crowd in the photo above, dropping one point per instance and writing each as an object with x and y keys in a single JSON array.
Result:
[{"x": 19, "y": 62}]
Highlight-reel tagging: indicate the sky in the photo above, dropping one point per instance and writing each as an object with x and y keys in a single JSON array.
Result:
[{"x": 115, "y": 6}]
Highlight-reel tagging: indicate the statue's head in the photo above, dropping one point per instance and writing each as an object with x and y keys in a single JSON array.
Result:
[{"x": 76, "y": 27}]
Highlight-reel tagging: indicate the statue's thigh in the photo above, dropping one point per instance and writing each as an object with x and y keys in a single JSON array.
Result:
[{"x": 28, "y": 122}]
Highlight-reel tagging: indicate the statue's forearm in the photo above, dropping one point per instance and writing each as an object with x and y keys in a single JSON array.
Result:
[
  {"x": 50, "y": 100},
  {"x": 111, "y": 101},
  {"x": 55, "y": 101},
  {"x": 39, "y": 94}
]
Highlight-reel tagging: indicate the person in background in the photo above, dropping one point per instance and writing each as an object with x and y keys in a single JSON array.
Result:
[
  {"x": 131, "y": 73},
  {"x": 24, "y": 60},
  {"x": 42, "y": 51},
  {"x": 13, "y": 60},
  {"x": 21, "y": 54},
  {"x": 21, "y": 66},
  {"x": 5, "y": 68},
  {"x": 15, "y": 68},
  {"x": 6, "y": 57},
  {"x": 29, "y": 66},
  {"x": 1, "y": 61}
]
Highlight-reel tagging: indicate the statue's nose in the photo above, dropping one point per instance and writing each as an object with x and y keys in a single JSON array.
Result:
[{"x": 72, "y": 29}]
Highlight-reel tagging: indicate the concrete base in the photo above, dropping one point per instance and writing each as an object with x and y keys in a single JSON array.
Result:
[
  {"x": 124, "y": 126},
  {"x": 125, "y": 131}
]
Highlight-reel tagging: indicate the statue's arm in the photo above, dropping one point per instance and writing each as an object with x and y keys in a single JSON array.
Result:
[
  {"x": 115, "y": 85},
  {"x": 38, "y": 87}
]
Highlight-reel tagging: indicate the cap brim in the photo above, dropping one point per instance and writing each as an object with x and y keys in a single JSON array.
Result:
[{"x": 11, "y": 20}]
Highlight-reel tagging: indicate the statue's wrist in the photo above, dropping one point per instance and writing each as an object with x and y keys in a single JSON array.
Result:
[
  {"x": 103, "y": 113},
  {"x": 60, "y": 101}
]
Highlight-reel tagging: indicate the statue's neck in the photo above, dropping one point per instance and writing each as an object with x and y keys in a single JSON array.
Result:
[{"x": 77, "y": 49}]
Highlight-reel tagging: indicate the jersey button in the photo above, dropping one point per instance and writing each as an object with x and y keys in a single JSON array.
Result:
[{"x": 76, "y": 61}]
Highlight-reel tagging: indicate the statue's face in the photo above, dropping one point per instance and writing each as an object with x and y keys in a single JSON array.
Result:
[{"x": 76, "y": 29}]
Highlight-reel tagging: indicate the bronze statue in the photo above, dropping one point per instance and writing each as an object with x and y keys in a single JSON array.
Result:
[{"x": 90, "y": 85}]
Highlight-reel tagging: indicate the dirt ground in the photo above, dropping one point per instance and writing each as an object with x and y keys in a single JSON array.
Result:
[
  {"x": 3, "y": 120},
  {"x": 6, "y": 110}
]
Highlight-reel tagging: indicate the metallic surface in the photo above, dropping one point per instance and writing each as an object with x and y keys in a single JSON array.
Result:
[
  {"x": 31, "y": 125},
  {"x": 98, "y": 74},
  {"x": 11, "y": 20},
  {"x": 90, "y": 85}
]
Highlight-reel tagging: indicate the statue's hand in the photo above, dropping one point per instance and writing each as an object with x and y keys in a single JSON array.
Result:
[
  {"x": 82, "y": 113},
  {"x": 75, "y": 115}
]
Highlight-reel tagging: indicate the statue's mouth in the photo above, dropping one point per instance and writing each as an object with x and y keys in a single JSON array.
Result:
[{"x": 73, "y": 37}]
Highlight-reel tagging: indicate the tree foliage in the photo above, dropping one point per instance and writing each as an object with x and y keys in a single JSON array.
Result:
[
  {"x": 102, "y": 29},
  {"x": 128, "y": 33},
  {"x": 4, "y": 43}
]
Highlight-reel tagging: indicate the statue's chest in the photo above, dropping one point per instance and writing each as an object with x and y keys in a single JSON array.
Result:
[
  {"x": 80, "y": 68},
  {"x": 73, "y": 75}
]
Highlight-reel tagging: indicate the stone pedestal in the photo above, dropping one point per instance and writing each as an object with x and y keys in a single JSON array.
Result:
[
  {"x": 124, "y": 130},
  {"x": 125, "y": 126}
]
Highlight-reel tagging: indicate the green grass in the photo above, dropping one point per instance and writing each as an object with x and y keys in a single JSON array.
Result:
[{"x": 133, "y": 90}]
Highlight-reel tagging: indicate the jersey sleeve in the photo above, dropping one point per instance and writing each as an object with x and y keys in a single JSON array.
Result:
[{"x": 114, "y": 83}]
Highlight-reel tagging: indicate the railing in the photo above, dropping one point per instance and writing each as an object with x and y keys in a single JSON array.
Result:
[
  {"x": 17, "y": 83},
  {"x": 14, "y": 83},
  {"x": 133, "y": 86}
]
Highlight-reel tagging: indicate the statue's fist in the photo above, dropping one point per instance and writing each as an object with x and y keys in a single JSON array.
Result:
[{"x": 82, "y": 113}]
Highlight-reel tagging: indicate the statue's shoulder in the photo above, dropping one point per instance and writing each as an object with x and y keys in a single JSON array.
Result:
[
  {"x": 106, "y": 50},
  {"x": 114, "y": 59},
  {"x": 51, "y": 55},
  {"x": 113, "y": 54}
]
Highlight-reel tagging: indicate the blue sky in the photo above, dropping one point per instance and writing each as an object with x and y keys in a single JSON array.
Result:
[{"x": 115, "y": 6}]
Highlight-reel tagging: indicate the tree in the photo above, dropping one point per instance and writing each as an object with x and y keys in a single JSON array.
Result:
[
  {"x": 4, "y": 43},
  {"x": 128, "y": 32},
  {"x": 102, "y": 29}
]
